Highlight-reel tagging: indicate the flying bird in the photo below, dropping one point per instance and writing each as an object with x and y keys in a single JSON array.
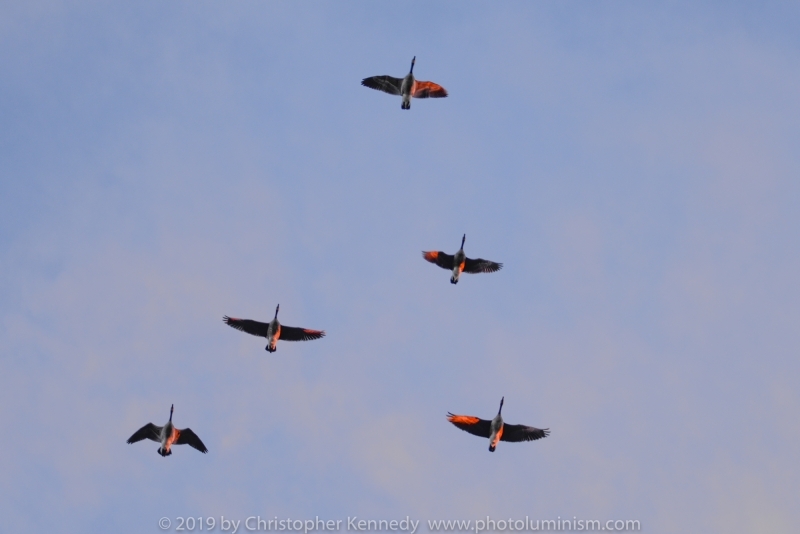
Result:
[
  {"x": 168, "y": 436},
  {"x": 460, "y": 263},
  {"x": 496, "y": 430},
  {"x": 405, "y": 87},
  {"x": 273, "y": 330}
]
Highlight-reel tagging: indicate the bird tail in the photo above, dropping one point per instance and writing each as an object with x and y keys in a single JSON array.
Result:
[
  {"x": 162, "y": 452},
  {"x": 491, "y": 448}
]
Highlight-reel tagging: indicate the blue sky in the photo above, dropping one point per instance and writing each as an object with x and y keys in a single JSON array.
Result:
[{"x": 634, "y": 167}]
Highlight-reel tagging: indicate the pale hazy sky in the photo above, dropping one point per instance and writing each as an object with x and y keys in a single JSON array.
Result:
[{"x": 634, "y": 167}]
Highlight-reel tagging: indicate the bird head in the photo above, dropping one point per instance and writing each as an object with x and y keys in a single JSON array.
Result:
[
  {"x": 171, "y": 408},
  {"x": 413, "y": 60},
  {"x": 463, "y": 238},
  {"x": 501, "y": 405},
  {"x": 276, "y": 310}
]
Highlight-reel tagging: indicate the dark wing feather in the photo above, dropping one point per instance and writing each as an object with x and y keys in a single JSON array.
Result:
[
  {"x": 523, "y": 433},
  {"x": 292, "y": 333},
  {"x": 148, "y": 431},
  {"x": 387, "y": 84},
  {"x": 445, "y": 261},
  {"x": 428, "y": 89},
  {"x": 188, "y": 437},
  {"x": 481, "y": 266},
  {"x": 473, "y": 425},
  {"x": 247, "y": 325}
]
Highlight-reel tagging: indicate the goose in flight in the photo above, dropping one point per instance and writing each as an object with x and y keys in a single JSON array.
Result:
[
  {"x": 496, "y": 430},
  {"x": 460, "y": 263},
  {"x": 273, "y": 330},
  {"x": 405, "y": 87},
  {"x": 168, "y": 436}
]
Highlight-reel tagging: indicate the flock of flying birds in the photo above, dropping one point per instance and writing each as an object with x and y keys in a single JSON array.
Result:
[{"x": 496, "y": 430}]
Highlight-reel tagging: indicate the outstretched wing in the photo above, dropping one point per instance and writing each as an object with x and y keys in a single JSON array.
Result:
[
  {"x": 481, "y": 266},
  {"x": 292, "y": 333},
  {"x": 387, "y": 84},
  {"x": 428, "y": 90},
  {"x": 148, "y": 431},
  {"x": 445, "y": 261},
  {"x": 473, "y": 425},
  {"x": 187, "y": 437},
  {"x": 523, "y": 433},
  {"x": 246, "y": 325}
]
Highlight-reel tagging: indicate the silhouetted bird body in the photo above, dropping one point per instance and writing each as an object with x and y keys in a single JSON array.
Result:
[
  {"x": 273, "y": 330},
  {"x": 496, "y": 429},
  {"x": 168, "y": 436},
  {"x": 460, "y": 263},
  {"x": 405, "y": 87}
]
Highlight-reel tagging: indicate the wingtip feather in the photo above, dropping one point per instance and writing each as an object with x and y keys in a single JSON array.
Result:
[{"x": 430, "y": 255}]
